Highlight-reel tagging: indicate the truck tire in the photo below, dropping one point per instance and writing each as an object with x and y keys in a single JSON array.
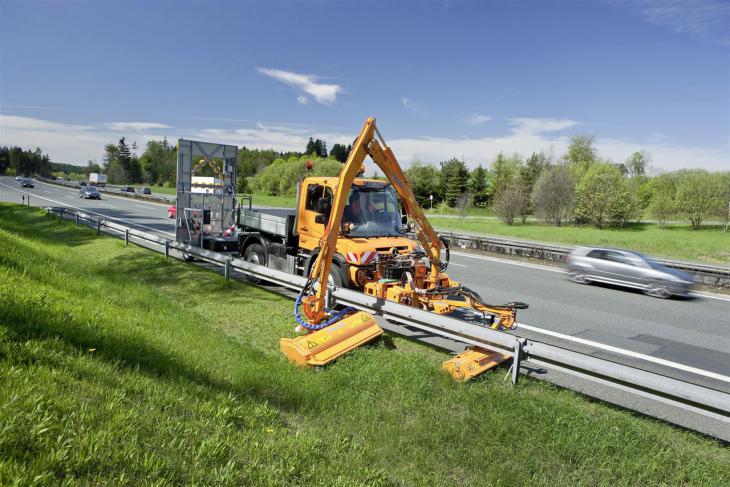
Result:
[{"x": 254, "y": 254}]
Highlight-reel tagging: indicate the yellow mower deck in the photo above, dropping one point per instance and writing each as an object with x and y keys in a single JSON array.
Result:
[
  {"x": 472, "y": 362},
  {"x": 325, "y": 345}
]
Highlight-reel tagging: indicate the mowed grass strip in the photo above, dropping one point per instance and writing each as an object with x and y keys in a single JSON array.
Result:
[
  {"x": 120, "y": 367},
  {"x": 707, "y": 244}
]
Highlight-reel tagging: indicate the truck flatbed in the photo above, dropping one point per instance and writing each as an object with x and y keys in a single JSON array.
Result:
[{"x": 275, "y": 221}]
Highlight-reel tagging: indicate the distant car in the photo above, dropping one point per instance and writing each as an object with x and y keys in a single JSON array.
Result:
[
  {"x": 127, "y": 189},
  {"x": 26, "y": 183},
  {"x": 628, "y": 269},
  {"x": 171, "y": 211},
  {"x": 82, "y": 183},
  {"x": 144, "y": 191},
  {"x": 90, "y": 192},
  {"x": 18, "y": 178}
]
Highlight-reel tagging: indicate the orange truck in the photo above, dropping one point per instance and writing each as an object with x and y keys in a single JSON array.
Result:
[{"x": 289, "y": 239}]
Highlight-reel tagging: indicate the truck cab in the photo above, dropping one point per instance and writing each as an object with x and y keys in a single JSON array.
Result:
[{"x": 371, "y": 225}]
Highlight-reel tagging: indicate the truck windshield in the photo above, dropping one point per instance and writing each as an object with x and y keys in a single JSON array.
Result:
[{"x": 374, "y": 211}]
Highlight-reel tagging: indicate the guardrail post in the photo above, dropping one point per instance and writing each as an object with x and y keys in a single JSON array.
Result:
[
  {"x": 60, "y": 214},
  {"x": 167, "y": 249},
  {"x": 227, "y": 269},
  {"x": 77, "y": 220},
  {"x": 126, "y": 236},
  {"x": 516, "y": 359},
  {"x": 22, "y": 197},
  {"x": 98, "y": 226}
]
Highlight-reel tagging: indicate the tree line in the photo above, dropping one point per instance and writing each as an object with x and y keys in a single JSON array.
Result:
[{"x": 579, "y": 187}]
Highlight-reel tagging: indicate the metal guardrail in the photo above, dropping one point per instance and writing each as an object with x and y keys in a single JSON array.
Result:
[
  {"x": 157, "y": 198},
  {"x": 705, "y": 273},
  {"x": 683, "y": 403},
  {"x": 708, "y": 274}
]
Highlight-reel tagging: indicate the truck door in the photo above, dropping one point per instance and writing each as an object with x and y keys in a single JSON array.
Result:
[{"x": 310, "y": 231}]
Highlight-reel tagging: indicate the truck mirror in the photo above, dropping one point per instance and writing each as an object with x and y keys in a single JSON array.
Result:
[{"x": 324, "y": 206}]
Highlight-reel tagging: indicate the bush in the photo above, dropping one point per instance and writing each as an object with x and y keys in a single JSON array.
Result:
[
  {"x": 511, "y": 202},
  {"x": 281, "y": 177},
  {"x": 602, "y": 197},
  {"x": 698, "y": 195},
  {"x": 554, "y": 195}
]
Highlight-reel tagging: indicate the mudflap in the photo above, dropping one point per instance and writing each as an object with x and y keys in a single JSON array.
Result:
[
  {"x": 472, "y": 362},
  {"x": 325, "y": 345}
]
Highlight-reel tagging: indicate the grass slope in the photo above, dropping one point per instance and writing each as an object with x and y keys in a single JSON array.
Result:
[
  {"x": 708, "y": 244},
  {"x": 120, "y": 367}
]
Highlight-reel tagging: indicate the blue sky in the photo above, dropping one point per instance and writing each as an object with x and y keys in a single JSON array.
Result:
[{"x": 459, "y": 78}]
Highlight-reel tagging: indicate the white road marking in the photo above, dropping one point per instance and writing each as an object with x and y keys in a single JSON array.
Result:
[
  {"x": 90, "y": 211},
  {"x": 457, "y": 265},
  {"x": 108, "y": 206},
  {"x": 106, "y": 195},
  {"x": 510, "y": 262},
  {"x": 718, "y": 297},
  {"x": 628, "y": 353}
]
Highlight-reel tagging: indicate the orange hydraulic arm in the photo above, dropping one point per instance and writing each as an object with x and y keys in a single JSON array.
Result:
[{"x": 367, "y": 145}]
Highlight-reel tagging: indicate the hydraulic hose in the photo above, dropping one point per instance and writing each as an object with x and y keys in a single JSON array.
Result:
[{"x": 314, "y": 327}]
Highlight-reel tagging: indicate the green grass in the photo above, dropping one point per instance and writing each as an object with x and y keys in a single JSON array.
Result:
[
  {"x": 157, "y": 189},
  {"x": 708, "y": 244},
  {"x": 120, "y": 367},
  {"x": 262, "y": 199}
]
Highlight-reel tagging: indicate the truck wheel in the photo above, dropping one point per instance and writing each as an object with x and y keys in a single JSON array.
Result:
[
  {"x": 338, "y": 276},
  {"x": 255, "y": 255}
]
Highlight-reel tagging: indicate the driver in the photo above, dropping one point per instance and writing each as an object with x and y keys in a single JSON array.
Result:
[{"x": 353, "y": 211}]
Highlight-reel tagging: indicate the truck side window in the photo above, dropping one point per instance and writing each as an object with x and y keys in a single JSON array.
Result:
[{"x": 314, "y": 193}]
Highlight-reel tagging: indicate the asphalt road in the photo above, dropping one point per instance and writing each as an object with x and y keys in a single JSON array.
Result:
[{"x": 684, "y": 338}]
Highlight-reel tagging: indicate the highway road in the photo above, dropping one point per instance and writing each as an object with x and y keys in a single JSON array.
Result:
[{"x": 685, "y": 338}]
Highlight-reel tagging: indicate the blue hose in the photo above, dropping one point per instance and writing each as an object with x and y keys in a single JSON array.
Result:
[{"x": 333, "y": 319}]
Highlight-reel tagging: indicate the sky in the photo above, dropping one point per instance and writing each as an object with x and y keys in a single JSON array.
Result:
[{"x": 465, "y": 79}]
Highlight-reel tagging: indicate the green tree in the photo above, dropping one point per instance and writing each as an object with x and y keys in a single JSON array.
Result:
[
  {"x": 340, "y": 152},
  {"x": 91, "y": 166},
  {"x": 663, "y": 191},
  {"x": 480, "y": 187},
  {"x": 511, "y": 202},
  {"x": 698, "y": 195},
  {"x": 553, "y": 196},
  {"x": 533, "y": 168},
  {"x": 580, "y": 155},
  {"x": 123, "y": 154},
  {"x": 636, "y": 164},
  {"x": 602, "y": 196},
  {"x": 154, "y": 159},
  {"x": 242, "y": 184},
  {"x": 454, "y": 180},
  {"x": 505, "y": 173},
  {"x": 424, "y": 181}
]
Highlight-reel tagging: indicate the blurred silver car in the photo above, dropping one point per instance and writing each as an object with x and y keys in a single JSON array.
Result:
[{"x": 629, "y": 269}]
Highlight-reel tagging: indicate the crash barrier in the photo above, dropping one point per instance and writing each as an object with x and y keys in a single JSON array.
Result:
[
  {"x": 687, "y": 404},
  {"x": 707, "y": 274},
  {"x": 156, "y": 198}
]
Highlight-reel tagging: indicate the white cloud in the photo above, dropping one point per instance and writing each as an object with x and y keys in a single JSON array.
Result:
[
  {"x": 303, "y": 100},
  {"x": 78, "y": 143},
  {"x": 412, "y": 105},
  {"x": 540, "y": 125},
  {"x": 267, "y": 136},
  {"x": 706, "y": 18},
  {"x": 136, "y": 126},
  {"x": 63, "y": 142},
  {"x": 323, "y": 93},
  {"x": 477, "y": 119}
]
